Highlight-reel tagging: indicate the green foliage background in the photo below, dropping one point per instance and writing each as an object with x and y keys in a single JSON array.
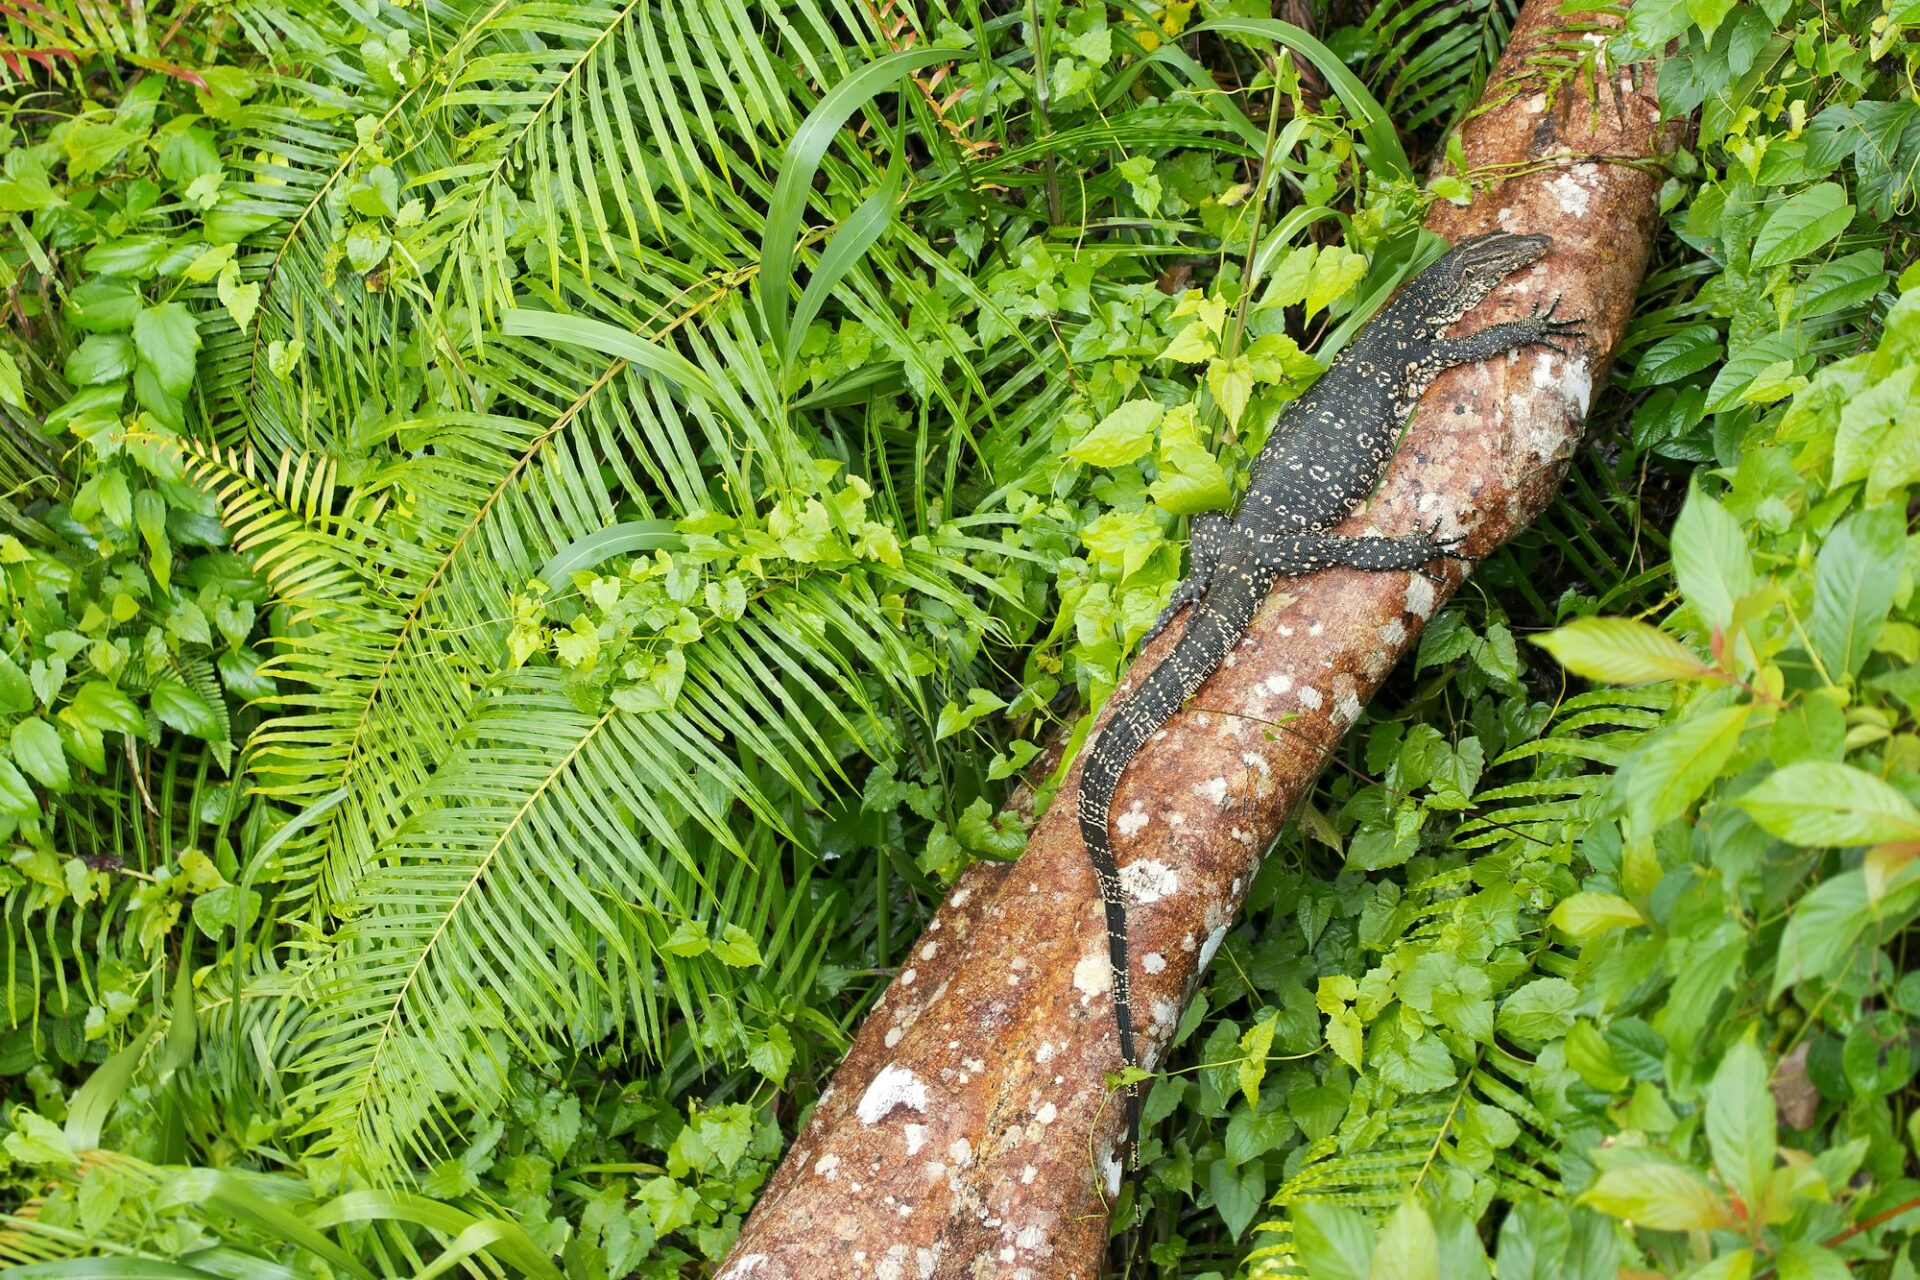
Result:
[{"x": 538, "y": 536}]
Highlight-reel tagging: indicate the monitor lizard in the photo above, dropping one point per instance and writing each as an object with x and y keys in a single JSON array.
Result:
[{"x": 1324, "y": 456}]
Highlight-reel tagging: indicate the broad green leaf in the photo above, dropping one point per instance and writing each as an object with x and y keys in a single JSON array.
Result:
[
  {"x": 1678, "y": 763},
  {"x": 1737, "y": 1265},
  {"x": 1817, "y": 803},
  {"x": 1805, "y": 1260},
  {"x": 1662, "y": 1196},
  {"x": 1746, "y": 363},
  {"x": 1709, "y": 14},
  {"x": 1407, "y": 1248},
  {"x": 736, "y": 947},
  {"x": 36, "y": 1140},
  {"x": 17, "y": 799},
  {"x": 1876, "y": 440},
  {"x": 1540, "y": 1010},
  {"x": 1231, "y": 382},
  {"x": 1808, "y": 220},
  {"x": 1191, "y": 345},
  {"x": 104, "y": 709},
  {"x": 240, "y": 298},
  {"x": 1620, "y": 651},
  {"x": 1582, "y": 915},
  {"x": 167, "y": 338},
  {"x": 102, "y": 358},
  {"x": 184, "y": 709},
  {"x": 1335, "y": 272},
  {"x": 1710, "y": 558},
  {"x": 1191, "y": 480},
  {"x": 1689, "y": 350},
  {"x": 36, "y": 749},
  {"x": 1123, "y": 436},
  {"x": 104, "y": 304},
  {"x": 1236, "y": 1192},
  {"x": 1255, "y": 1046},
  {"x": 1855, "y": 578},
  {"x": 1823, "y": 931},
  {"x": 1740, "y": 1124},
  {"x": 16, "y": 691},
  {"x": 1333, "y": 1242}
]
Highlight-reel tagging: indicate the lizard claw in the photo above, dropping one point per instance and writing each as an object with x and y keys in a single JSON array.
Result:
[
  {"x": 1444, "y": 547},
  {"x": 1551, "y": 327}
]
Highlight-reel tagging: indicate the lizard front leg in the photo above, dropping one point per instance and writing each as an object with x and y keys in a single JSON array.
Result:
[
  {"x": 1496, "y": 339},
  {"x": 1208, "y": 537}
]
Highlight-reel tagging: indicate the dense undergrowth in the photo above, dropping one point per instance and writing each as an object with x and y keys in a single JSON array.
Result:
[{"x": 523, "y": 584}]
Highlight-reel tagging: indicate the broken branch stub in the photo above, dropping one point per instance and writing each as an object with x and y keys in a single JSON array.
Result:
[{"x": 969, "y": 1132}]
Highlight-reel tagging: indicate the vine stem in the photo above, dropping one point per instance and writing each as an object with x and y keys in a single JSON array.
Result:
[{"x": 1858, "y": 1227}]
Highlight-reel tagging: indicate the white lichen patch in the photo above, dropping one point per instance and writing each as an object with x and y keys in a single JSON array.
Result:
[
  {"x": 744, "y": 1267},
  {"x": 1044, "y": 1054},
  {"x": 893, "y": 1036},
  {"x": 1420, "y": 597},
  {"x": 1093, "y": 975},
  {"x": 1110, "y": 1166},
  {"x": 1165, "y": 1012},
  {"x": 1153, "y": 962},
  {"x": 961, "y": 1152},
  {"x": 1028, "y": 1174},
  {"x": 1241, "y": 834},
  {"x": 959, "y": 898},
  {"x": 1047, "y": 1114},
  {"x": 1278, "y": 685},
  {"x": 893, "y": 1087},
  {"x": 1211, "y": 945},
  {"x": 909, "y": 977},
  {"x": 827, "y": 1167},
  {"x": 916, "y": 1135},
  {"x": 1213, "y": 790},
  {"x": 926, "y": 952},
  {"x": 1394, "y": 632},
  {"x": 1149, "y": 880},
  {"x": 1132, "y": 821},
  {"x": 1309, "y": 697},
  {"x": 1573, "y": 384},
  {"x": 1570, "y": 194}
]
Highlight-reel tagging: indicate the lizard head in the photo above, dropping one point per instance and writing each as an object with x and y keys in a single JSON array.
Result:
[{"x": 1471, "y": 269}]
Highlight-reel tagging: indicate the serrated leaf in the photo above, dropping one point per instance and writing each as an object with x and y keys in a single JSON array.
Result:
[
  {"x": 1662, "y": 1196},
  {"x": 1817, "y": 803},
  {"x": 1620, "y": 651},
  {"x": 1581, "y": 915},
  {"x": 1123, "y": 436}
]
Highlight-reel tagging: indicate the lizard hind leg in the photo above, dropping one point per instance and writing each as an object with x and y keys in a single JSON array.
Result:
[{"x": 1209, "y": 535}]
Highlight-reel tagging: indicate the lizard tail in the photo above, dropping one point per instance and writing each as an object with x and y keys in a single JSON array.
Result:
[{"x": 1214, "y": 626}]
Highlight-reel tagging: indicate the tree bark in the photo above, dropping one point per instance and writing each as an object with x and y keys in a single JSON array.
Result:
[{"x": 968, "y": 1132}]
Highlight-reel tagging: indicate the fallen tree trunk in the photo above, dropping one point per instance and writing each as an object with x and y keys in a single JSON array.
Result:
[{"x": 968, "y": 1132}]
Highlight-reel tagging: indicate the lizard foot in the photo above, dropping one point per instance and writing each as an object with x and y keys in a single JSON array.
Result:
[
  {"x": 1547, "y": 327},
  {"x": 1443, "y": 549}
]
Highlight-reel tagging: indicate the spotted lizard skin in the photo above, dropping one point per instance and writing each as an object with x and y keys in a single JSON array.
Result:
[{"x": 1324, "y": 456}]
